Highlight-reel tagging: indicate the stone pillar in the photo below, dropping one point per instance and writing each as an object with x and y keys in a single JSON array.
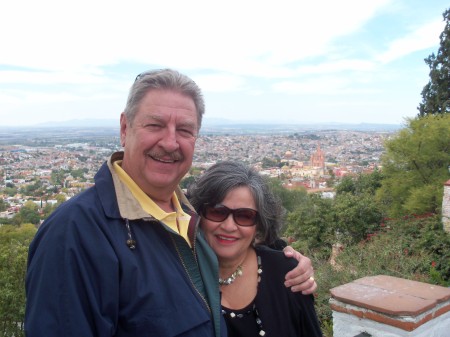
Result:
[
  {"x": 386, "y": 306},
  {"x": 446, "y": 207}
]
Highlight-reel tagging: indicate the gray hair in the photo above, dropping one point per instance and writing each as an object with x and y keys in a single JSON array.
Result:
[
  {"x": 212, "y": 187},
  {"x": 165, "y": 79}
]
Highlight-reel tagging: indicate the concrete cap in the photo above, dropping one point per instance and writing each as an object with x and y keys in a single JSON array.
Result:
[{"x": 391, "y": 295}]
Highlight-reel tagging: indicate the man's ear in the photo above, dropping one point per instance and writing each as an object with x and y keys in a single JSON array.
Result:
[{"x": 123, "y": 128}]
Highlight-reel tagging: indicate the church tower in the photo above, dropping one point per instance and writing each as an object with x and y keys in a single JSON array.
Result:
[{"x": 318, "y": 158}]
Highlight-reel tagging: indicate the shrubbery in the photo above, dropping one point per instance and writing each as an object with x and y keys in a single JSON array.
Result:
[
  {"x": 14, "y": 242},
  {"x": 413, "y": 248}
]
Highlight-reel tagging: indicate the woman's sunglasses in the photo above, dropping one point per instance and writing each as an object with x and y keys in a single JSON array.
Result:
[{"x": 241, "y": 216}]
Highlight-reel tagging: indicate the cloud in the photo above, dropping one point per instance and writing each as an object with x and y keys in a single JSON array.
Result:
[
  {"x": 421, "y": 38},
  {"x": 220, "y": 82},
  {"x": 310, "y": 86},
  {"x": 337, "y": 66},
  {"x": 51, "y": 77},
  {"x": 62, "y": 58},
  {"x": 84, "y": 35}
]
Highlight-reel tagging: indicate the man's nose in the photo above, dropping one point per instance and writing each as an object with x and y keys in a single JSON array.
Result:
[{"x": 169, "y": 140}]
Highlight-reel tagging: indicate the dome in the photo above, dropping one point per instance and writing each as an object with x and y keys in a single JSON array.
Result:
[{"x": 288, "y": 154}]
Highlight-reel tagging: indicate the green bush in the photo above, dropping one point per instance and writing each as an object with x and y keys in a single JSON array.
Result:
[
  {"x": 414, "y": 248},
  {"x": 14, "y": 242}
]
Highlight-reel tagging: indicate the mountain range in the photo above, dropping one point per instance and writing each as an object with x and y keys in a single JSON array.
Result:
[{"x": 224, "y": 125}]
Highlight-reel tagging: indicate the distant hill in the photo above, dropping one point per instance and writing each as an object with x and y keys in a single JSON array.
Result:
[
  {"x": 221, "y": 125},
  {"x": 232, "y": 127}
]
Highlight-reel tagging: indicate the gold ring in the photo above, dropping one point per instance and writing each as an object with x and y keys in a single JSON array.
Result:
[{"x": 311, "y": 278}]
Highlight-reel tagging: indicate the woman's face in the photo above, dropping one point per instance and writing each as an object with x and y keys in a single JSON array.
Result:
[{"x": 230, "y": 241}]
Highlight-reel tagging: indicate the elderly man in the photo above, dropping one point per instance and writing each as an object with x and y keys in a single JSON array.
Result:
[{"x": 125, "y": 257}]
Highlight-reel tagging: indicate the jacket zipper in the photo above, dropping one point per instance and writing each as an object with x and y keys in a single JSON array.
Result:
[
  {"x": 132, "y": 245},
  {"x": 186, "y": 270}
]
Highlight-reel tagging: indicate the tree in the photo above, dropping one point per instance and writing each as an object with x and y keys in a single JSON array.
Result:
[
  {"x": 11, "y": 191},
  {"x": 436, "y": 94},
  {"x": 290, "y": 199},
  {"x": 310, "y": 224},
  {"x": 187, "y": 181},
  {"x": 14, "y": 243},
  {"x": 60, "y": 198},
  {"x": 57, "y": 177},
  {"x": 355, "y": 216},
  {"x": 31, "y": 188},
  {"x": 195, "y": 171},
  {"x": 415, "y": 167},
  {"x": 362, "y": 184},
  {"x": 78, "y": 173},
  {"x": 269, "y": 162},
  {"x": 27, "y": 214},
  {"x": 48, "y": 209},
  {"x": 3, "y": 205},
  {"x": 318, "y": 223}
]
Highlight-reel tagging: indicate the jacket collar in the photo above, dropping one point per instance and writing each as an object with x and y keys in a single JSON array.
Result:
[{"x": 129, "y": 207}]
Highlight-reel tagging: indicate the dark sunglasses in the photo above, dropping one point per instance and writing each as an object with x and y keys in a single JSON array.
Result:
[{"x": 242, "y": 216}]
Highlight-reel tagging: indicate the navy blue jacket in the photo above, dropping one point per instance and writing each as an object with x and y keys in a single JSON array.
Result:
[{"x": 83, "y": 280}]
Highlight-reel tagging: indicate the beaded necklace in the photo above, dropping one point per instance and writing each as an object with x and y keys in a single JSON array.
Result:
[
  {"x": 229, "y": 280},
  {"x": 252, "y": 309}
]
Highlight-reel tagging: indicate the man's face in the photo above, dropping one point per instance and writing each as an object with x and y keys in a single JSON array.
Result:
[{"x": 159, "y": 144}]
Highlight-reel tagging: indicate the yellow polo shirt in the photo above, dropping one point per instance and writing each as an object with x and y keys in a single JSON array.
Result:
[{"x": 178, "y": 220}]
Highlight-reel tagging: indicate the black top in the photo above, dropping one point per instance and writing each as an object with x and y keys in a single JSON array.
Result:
[{"x": 276, "y": 309}]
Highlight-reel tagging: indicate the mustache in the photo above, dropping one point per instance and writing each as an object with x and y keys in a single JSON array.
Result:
[{"x": 175, "y": 156}]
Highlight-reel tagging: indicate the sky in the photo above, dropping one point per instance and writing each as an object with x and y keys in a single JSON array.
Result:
[{"x": 283, "y": 61}]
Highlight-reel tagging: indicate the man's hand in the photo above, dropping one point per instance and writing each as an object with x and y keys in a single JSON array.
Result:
[{"x": 301, "y": 278}]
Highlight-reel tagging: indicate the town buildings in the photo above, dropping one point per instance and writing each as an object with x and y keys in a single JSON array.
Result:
[{"x": 42, "y": 168}]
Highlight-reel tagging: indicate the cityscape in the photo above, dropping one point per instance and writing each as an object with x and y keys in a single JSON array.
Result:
[{"x": 47, "y": 165}]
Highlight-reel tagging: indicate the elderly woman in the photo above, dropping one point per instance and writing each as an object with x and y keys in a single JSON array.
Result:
[{"x": 238, "y": 210}]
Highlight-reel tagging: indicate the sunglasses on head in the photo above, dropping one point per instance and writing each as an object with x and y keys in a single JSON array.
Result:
[
  {"x": 241, "y": 216},
  {"x": 143, "y": 74}
]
